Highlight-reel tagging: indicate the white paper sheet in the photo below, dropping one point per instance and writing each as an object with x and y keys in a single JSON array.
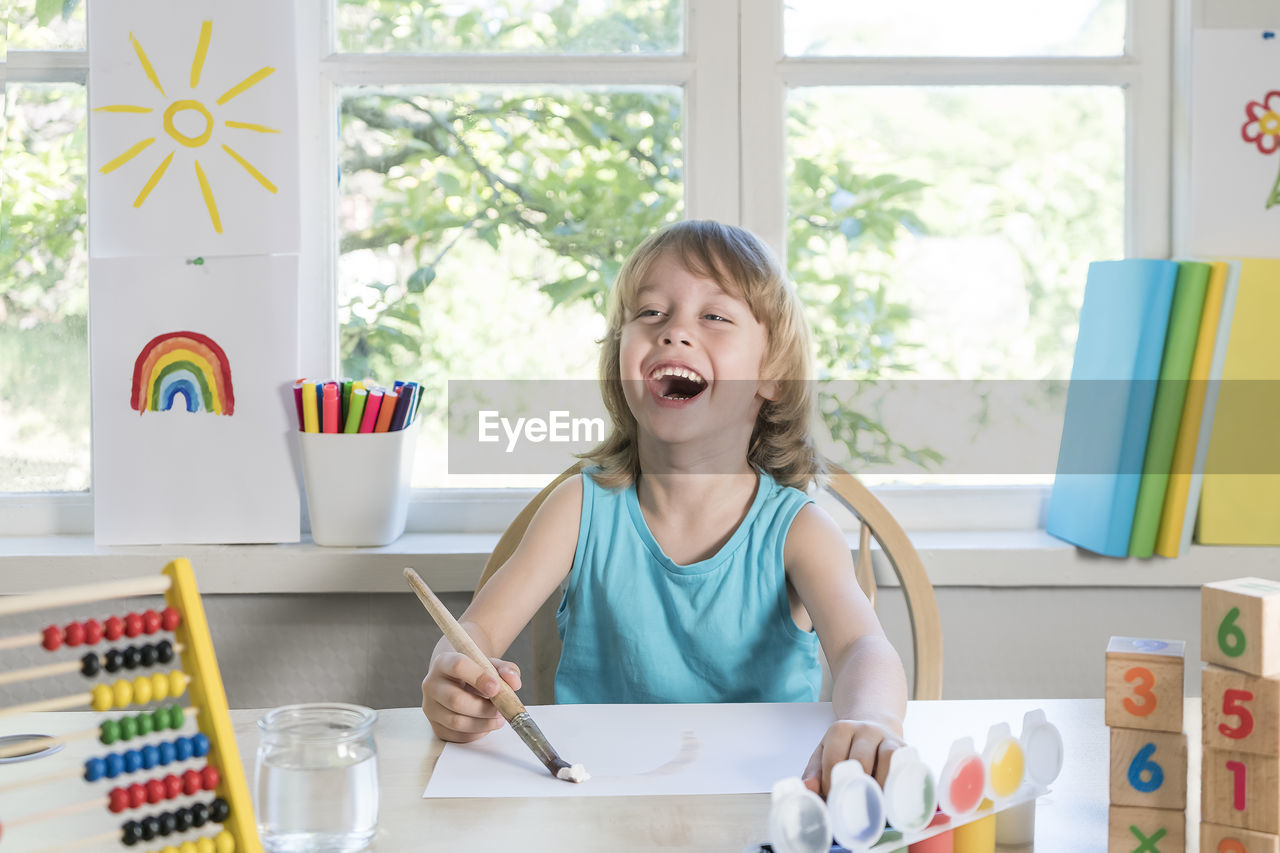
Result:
[
  {"x": 212, "y": 82},
  {"x": 171, "y": 475},
  {"x": 1231, "y": 177},
  {"x": 637, "y": 750}
]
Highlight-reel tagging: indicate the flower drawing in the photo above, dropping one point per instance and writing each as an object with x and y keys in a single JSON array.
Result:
[{"x": 1263, "y": 130}]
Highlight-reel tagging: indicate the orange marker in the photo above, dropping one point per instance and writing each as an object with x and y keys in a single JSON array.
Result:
[{"x": 385, "y": 411}]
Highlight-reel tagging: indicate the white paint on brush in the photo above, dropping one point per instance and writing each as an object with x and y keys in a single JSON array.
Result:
[{"x": 574, "y": 773}]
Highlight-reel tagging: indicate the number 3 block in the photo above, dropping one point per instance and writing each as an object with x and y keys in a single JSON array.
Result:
[
  {"x": 1241, "y": 711},
  {"x": 1148, "y": 769},
  {"x": 1226, "y": 839},
  {"x": 1240, "y": 789},
  {"x": 1240, "y": 625},
  {"x": 1133, "y": 830},
  {"x": 1144, "y": 684}
]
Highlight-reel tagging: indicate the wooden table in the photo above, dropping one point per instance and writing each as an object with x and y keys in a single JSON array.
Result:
[{"x": 1072, "y": 818}]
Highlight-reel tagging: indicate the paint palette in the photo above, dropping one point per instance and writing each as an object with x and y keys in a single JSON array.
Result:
[{"x": 916, "y": 804}]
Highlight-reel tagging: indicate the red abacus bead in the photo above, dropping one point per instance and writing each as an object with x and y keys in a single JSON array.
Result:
[
  {"x": 170, "y": 618},
  {"x": 74, "y": 634},
  {"x": 209, "y": 776},
  {"x": 119, "y": 800},
  {"x": 92, "y": 631},
  {"x": 114, "y": 628},
  {"x": 150, "y": 622},
  {"x": 172, "y": 786},
  {"x": 155, "y": 790},
  {"x": 137, "y": 796},
  {"x": 53, "y": 638},
  {"x": 132, "y": 625},
  {"x": 191, "y": 782}
]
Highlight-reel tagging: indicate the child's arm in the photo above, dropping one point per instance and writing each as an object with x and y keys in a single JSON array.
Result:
[
  {"x": 456, "y": 691},
  {"x": 869, "y": 691}
]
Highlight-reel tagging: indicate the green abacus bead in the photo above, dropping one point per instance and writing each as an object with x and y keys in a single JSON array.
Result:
[
  {"x": 160, "y": 719},
  {"x": 109, "y": 732},
  {"x": 128, "y": 728},
  {"x": 176, "y": 717},
  {"x": 145, "y": 724}
]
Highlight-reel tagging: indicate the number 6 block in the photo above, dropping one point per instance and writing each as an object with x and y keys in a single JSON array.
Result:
[
  {"x": 1148, "y": 769},
  {"x": 1241, "y": 711},
  {"x": 1144, "y": 684},
  {"x": 1240, "y": 625}
]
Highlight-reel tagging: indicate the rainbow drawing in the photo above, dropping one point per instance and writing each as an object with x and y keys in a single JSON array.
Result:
[{"x": 186, "y": 364}]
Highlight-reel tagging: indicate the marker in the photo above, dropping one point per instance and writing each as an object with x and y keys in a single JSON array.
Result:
[
  {"x": 331, "y": 406},
  {"x": 345, "y": 393},
  {"x": 413, "y": 404},
  {"x": 297, "y": 402},
  {"x": 402, "y": 409},
  {"x": 371, "y": 405},
  {"x": 386, "y": 411},
  {"x": 310, "y": 416},
  {"x": 355, "y": 410}
]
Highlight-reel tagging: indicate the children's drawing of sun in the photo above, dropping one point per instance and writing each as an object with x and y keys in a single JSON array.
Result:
[{"x": 195, "y": 116}]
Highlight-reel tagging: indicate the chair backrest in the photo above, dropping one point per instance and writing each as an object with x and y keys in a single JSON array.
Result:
[{"x": 876, "y": 522}]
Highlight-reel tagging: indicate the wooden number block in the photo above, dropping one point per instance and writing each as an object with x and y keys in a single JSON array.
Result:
[
  {"x": 1227, "y": 839},
  {"x": 1148, "y": 769},
  {"x": 1137, "y": 830},
  {"x": 1240, "y": 625},
  {"x": 1241, "y": 711},
  {"x": 1144, "y": 683},
  {"x": 1241, "y": 789}
]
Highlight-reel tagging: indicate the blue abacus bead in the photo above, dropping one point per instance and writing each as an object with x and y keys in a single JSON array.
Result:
[
  {"x": 132, "y": 761},
  {"x": 94, "y": 769},
  {"x": 182, "y": 747},
  {"x": 167, "y": 753},
  {"x": 115, "y": 764},
  {"x": 200, "y": 743},
  {"x": 150, "y": 756}
]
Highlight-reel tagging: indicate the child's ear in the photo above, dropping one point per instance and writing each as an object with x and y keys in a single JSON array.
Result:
[{"x": 769, "y": 390}]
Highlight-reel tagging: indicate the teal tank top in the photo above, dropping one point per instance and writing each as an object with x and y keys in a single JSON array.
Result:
[{"x": 638, "y": 627}]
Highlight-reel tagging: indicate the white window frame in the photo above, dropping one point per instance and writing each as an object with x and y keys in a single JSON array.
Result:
[{"x": 734, "y": 95}]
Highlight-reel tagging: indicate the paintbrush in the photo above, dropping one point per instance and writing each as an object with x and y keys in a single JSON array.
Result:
[{"x": 510, "y": 706}]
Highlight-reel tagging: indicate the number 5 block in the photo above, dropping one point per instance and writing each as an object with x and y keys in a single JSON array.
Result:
[
  {"x": 1144, "y": 684},
  {"x": 1240, "y": 789},
  {"x": 1241, "y": 711},
  {"x": 1240, "y": 625},
  {"x": 1148, "y": 769}
]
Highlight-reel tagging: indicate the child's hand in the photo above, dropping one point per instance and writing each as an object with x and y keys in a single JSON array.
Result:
[
  {"x": 456, "y": 694},
  {"x": 872, "y": 744}
]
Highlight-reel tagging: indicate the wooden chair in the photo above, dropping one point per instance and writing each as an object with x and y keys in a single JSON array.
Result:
[{"x": 922, "y": 607}]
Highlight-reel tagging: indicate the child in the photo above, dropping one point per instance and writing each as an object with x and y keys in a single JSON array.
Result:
[{"x": 698, "y": 570}]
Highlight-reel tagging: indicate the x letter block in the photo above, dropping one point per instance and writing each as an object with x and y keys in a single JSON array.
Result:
[{"x": 1135, "y": 830}]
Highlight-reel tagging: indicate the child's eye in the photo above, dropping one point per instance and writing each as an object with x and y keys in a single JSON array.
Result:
[
  {"x": 648, "y": 312},
  {"x": 716, "y": 317}
]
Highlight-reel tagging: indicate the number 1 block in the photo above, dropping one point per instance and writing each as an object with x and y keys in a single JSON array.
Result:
[
  {"x": 1226, "y": 839},
  {"x": 1148, "y": 769},
  {"x": 1240, "y": 625},
  {"x": 1144, "y": 684},
  {"x": 1241, "y": 711},
  {"x": 1134, "y": 830},
  {"x": 1241, "y": 790}
]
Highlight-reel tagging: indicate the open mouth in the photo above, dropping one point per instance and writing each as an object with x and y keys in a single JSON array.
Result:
[{"x": 676, "y": 383}]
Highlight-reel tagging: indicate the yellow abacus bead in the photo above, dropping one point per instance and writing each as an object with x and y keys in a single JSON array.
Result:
[
  {"x": 170, "y": 849},
  {"x": 102, "y": 698},
  {"x": 188, "y": 847},
  {"x": 122, "y": 691},
  {"x": 159, "y": 686},
  {"x": 205, "y": 845},
  {"x": 224, "y": 842},
  {"x": 177, "y": 682},
  {"x": 142, "y": 690}
]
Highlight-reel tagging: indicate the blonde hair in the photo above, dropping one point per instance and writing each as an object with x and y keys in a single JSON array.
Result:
[{"x": 781, "y": 443}]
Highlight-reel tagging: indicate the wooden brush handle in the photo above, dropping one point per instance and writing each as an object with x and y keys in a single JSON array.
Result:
[{"x": 506, "y": 701}]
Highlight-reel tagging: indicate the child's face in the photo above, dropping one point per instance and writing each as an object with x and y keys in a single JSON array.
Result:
[{"x": 690, "y": 357}]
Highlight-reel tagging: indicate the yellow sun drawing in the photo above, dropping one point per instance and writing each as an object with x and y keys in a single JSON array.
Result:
[{"x": 190, "y": 105}]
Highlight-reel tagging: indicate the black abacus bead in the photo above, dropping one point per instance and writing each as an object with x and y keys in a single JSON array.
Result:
[
  {"x": 114, "y": 660},
  {"x": 199, "y": 814},
  {"x": 131, "y": 656},
  {"x": 147, "y": 655},
  {"x": 168, "y": 823},
  {"x": 164, "y": 651},
  {"x": 150, "y": 828},
  {"x": 89, "y": 665},
  {"x": 182, "y": 819},
  {"x": 219, "y": 810},
  {"x": 132, "y": 833}
]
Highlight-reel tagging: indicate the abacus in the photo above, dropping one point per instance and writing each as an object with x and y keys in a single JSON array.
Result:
[{"x": 224, "y": 824}]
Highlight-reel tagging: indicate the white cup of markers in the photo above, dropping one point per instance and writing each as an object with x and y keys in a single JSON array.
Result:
[{"x": 356, "y": 443}]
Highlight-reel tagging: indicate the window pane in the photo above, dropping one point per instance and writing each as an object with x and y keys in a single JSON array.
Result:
[
  {"x": 511, "y": 26},
  {"x": 949, "y": 28},
  {"x": 46, "y": 26},
  {"x": 479, "y": 229},
  {"x": 946, "y": 234},
  {"x": 44, "y": 356}
]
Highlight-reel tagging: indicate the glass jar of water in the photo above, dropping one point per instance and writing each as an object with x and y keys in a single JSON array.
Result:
[{"x": 316, "y": 784}]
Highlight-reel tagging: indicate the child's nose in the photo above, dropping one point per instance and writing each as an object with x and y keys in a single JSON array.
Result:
[{"x": 675, "y": 332}]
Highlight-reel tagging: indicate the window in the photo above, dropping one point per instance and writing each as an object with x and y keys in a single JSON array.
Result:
[{"x": 938, "y": 188}]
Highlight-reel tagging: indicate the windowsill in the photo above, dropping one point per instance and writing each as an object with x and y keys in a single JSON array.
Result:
[{"x": 452, "y": 563}]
